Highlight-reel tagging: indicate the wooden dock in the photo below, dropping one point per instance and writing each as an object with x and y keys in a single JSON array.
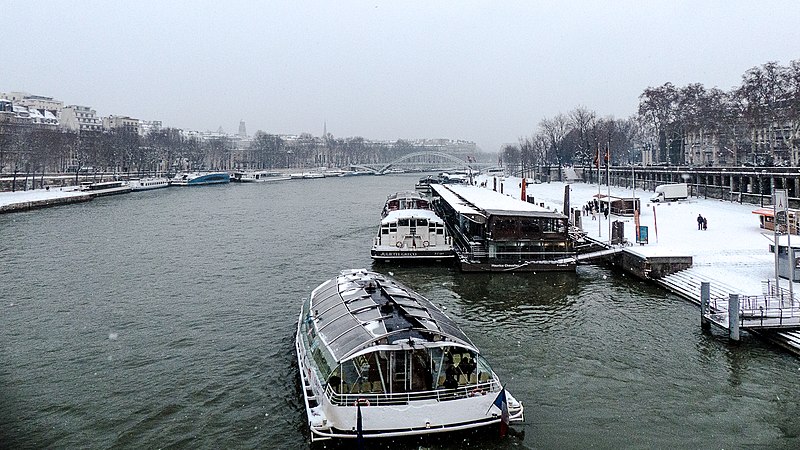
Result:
[{"x": 775, "y": 318}]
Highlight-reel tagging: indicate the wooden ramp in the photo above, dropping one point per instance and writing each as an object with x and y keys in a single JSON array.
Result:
[
  {"x": 599, "y": 254},
  {"x": 775, "y": 319}
]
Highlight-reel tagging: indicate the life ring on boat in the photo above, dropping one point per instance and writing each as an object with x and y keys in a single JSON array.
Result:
[
  {"x": 425, "y": 243},
  {"x": 399, "y": 244},
  {"x": 361, "y": 401},
  {"x": 476, "y": 392}
]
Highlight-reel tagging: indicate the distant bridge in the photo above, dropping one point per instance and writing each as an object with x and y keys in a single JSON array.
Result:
[{"x": 420, "y": 160}]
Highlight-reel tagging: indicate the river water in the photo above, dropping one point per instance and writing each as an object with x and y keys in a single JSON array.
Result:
[{"x": 165, "y": 319}]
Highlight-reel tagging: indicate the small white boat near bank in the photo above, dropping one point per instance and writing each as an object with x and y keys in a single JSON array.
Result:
[
  {"x": 146, "y": 184},
  {"x": 379, "y": 360},
  {"x": 104, "y": 188},
  {"x": 259, "y": 176}
]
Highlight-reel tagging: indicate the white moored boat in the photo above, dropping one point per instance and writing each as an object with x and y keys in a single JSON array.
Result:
[
  {"x": 259, "y": 176},
  {"x": 370, "y": 348},
  {"x": 410, "y": 230},
  {"x": 146, "y": 184}
]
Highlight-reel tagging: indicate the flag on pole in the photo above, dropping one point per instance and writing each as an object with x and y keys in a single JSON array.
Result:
[
  {"x": 359, "y": 429},
  {"x": 608, "y": 155},
  {"x": 501, "y": 403},
  {"x": 655, "y": 222},
  {"x": 597, "y": 158}
]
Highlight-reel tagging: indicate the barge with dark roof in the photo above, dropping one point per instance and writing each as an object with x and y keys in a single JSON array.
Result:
[{"x": 379, "y": 360}]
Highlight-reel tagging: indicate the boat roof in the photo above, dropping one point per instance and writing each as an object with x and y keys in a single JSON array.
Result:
[
  {"x": 360, "y": 308},
  {"x": 477, "y": 201},
  {"x": 393, "y": 216},
  {"x": 405, "y": 194}
]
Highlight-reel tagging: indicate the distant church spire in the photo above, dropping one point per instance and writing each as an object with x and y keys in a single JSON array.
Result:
[
  {"x": 325, "y": 129},
  {"x": 242, "y": 129}
]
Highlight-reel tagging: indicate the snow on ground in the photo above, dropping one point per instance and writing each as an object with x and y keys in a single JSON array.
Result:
[
  {"x": 8, "y": 198},
  {"x": 733, "y": 250}
]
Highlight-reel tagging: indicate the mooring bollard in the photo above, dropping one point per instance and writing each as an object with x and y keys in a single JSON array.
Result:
[
  {"x": 733, "y": 316},
  {"x": 705, "y": 297}
]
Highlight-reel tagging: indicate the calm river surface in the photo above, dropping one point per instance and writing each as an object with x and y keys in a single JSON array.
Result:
[{"x": 165, "y": 319}]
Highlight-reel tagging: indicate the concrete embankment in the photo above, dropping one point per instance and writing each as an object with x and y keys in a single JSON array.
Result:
[{"x": 40, "y": 198}]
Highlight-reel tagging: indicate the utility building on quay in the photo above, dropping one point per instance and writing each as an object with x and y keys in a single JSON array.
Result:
[{"x": 495, "y": 232}]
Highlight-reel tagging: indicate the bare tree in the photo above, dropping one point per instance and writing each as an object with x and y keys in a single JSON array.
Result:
[
  {"x": 512, "y": 157},
  {"x": 555, "y": 130},
  {"x": 582, "y": 120},
  {"x": 659, "y": 107}
]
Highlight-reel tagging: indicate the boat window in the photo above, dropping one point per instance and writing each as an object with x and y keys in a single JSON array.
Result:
[
  {"x": 384, "y": 230},
  {"x": 530, "y": 227},
  {"x": 422, "y": 222},
  {"x": 322, "y": 363},
  {"x": 403, "y": 222},
  {"x": 484, "y": 372},
  {"x": 364, "y": 374}
]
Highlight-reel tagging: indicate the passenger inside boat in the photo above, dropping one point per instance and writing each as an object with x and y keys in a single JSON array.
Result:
[{"x": 418, "y": 370}]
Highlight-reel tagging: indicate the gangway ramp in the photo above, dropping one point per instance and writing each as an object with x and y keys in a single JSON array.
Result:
[{"x": 598, "y": 254}]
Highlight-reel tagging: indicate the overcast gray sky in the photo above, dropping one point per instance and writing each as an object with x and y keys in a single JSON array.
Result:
[{"x": 482, "y": 71}]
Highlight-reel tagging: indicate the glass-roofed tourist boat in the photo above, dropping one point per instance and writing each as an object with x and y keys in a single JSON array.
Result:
[{"x": 372, "y": 349}]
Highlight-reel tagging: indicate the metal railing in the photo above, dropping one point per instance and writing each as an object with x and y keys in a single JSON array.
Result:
[{"x": 403, "y": 398}]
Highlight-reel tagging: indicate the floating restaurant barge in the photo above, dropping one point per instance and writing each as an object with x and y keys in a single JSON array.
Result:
[{"x": 495, "y": 232}]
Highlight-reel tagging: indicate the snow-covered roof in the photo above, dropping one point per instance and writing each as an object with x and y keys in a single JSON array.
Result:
[
  {"x": 460, "y": 205},
  {"x": 473, "y": 200}
]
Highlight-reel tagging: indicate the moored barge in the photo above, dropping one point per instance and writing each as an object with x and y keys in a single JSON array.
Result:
[{"x": 495, "y": 232}]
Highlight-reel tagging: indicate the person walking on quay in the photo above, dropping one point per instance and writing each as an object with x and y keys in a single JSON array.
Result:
[
  {"x": 700, "y": 221},
  {"x": 705, "y": 223}
]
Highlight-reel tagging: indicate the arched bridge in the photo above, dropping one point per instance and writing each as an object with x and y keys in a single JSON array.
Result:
[{"x": 427, "y": 160}]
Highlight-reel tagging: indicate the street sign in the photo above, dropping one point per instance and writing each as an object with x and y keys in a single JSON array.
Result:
[{"x": 781, "y": 199}]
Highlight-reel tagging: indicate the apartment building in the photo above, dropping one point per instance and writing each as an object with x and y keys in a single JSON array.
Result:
[{"x": 80, "y": 118}]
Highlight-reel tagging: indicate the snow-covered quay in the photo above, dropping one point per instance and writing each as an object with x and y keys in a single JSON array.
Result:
[
  {"x": 731, "y": 253},
  {"x": 733, "y": 249},
  {"x": 39, "y": 198}
]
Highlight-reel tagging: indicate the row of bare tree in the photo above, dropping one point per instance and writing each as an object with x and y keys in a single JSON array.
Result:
[
  {"x": 756, "y": 123},
  {"x": 25, "y": 148}
]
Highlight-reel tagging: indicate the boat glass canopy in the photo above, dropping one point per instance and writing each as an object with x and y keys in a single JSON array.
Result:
[{"x": 360, "y": 309}]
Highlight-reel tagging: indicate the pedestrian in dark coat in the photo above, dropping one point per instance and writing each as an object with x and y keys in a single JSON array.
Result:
[{"x": 700, "y": 221}]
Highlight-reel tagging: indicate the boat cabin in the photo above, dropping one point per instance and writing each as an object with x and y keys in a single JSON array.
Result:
[
  {"x": 404, "y": 200},
  {"x": 372, "y": 339}
]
